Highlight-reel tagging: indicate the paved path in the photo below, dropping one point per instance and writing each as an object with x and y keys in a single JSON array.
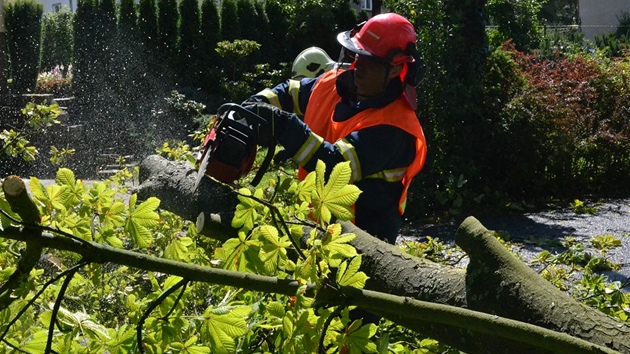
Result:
[{"x": 533, "y": 229}]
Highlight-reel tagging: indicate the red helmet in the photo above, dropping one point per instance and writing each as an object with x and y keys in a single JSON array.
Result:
[{"x": 385, "y": 36}]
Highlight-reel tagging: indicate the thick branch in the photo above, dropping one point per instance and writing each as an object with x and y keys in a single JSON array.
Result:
[
  {"x": 101, "y": 253},
  {"x": 499, "y": 283},
  {"x": 21, "y": 203}
]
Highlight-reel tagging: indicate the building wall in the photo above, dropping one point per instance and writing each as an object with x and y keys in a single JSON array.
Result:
[
  {"x": 51, "y": 5},
  {"x": 600, "y": 16}
]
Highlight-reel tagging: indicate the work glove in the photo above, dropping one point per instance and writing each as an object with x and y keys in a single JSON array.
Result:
[{"x": 276, "y": 121}]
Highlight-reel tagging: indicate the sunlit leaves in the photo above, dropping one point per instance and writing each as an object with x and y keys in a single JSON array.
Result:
[
  {"x": 189, "y": 347},
  {"x": 348, "y": 273},
  {"x": 239, "y": 253},
  {"x": 336, "y": 246},
  {"x": 177, "y": 249},
  {"x": 121, "y": 340},
  {"x": 65, "y": 177},
  {"x": 53, "y": 197},
  {"x": 305, "y": 188},
  {"x": 141, "y": 219},
  {"x": 248, "y": 210},
  {"x": 273, "y": 253},
  {"x": 337, "y": 196},
  {"x": 222, "y": 325},
  {"x": 355, "y": 339}
]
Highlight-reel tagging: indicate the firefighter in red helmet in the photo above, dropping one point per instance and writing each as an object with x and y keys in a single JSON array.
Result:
[{"x": 364, "y": 115}]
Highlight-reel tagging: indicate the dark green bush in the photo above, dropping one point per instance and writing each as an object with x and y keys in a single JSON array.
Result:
[
  {"x": 127, "y": 17},
  {"x": 168, "y": 17},
  {"x": 230, "y": 24},
  {"x": 189, "y": 39},
  {"x": 567, "y": 132},
  {"x": 210, "y": 36},
  {"x": 57, "y": 39},
  {"x": 612, "y": 45},
  {"x": 313, "y": 25},
  {"x": 247, "y": 17},
  {"x": 84, "y": 34},
  {"x": 263, "y": 27},
  {"x": 23, "y": 20},
  {"x": 516, "y": 20},
  {"x": 147, "y": 22},
  {"x": 279, "y": 19}
]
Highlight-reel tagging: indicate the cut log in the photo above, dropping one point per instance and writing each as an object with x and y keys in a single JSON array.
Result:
[
  {"x": 499, "y": 283},
  {"x": 21, "y": 203},
  {"x": 174, "y": 184}
]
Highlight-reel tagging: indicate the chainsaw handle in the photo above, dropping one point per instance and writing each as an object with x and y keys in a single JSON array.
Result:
[{"x": 227, "y": 107}]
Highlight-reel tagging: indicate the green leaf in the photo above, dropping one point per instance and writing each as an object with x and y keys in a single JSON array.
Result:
[
  {"x": 337, "y": 246},
  {"x": 65, "y": 177},
  {"x": 275, "y": 309},
  {"x": 36, "y": 343},
  {"x": 273, "y": 253},
  {"x": 336, "y": 197},
  {"x": 177, "y": 249},
  {"x": 349, "y": 274},
  {"x": 113, "y": 215},
  {"x": 306, "y": 187},
  {"x": 356, "y": 338},
  {"x": 307, "y": 269},
  {"x": 222, "y": 325},
  {"x": 247, "y": 211},
  {"x": 140, "y": 219},
  {"x": 236, "y": 253}
]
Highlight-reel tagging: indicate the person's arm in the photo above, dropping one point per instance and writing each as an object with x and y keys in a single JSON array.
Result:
[
  {"x": 370, "y": 151},
  {"x": 291, "y": 96}
]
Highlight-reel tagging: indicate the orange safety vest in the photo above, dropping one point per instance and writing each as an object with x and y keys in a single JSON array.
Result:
[{"x": 319, "y": 117}]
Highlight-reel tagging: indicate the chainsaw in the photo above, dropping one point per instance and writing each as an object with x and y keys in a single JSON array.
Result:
[{"x": 229, "y": 149}]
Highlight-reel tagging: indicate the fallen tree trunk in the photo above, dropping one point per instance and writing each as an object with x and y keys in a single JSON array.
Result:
[{"x": 495, "y": 283}]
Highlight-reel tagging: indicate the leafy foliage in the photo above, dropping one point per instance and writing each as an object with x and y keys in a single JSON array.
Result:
[
  {"x": 215, "y": 319},
  {"x": 37, "y": 117}
]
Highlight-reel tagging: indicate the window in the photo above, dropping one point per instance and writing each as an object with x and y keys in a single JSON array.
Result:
[
  {"x": 366, "y": 5},
  {"x": 56, "y": 7}
]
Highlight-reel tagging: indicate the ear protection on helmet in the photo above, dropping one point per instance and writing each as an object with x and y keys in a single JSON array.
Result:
[{"x": 416, "y": 70}]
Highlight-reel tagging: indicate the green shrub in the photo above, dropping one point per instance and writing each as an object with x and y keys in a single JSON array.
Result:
[
  {"x": 127, "y": 17},
  {"x": 230, "y": 24},
  {"x": 613, "y": 46},
  {"x": 57, "y": 39},
  {"x": 263, "y": 27},
  {"x": 23, "y": 20},
  {"x": 313, "y": 25},
  {"x": 189, "y": 39},
  {"x": 167, "y": 19},
  {"x": 84, "y": 34},
  {"x": 567, "y": 131},
  {"x": 210, "y": 36},
  {"x": 279, "y": 19},
  {"x": 147, "y": 22},
  {"x": 516, "y": 20}
]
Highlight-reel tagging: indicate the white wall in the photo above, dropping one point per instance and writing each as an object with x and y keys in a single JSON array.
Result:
[{"x": 600, "y": 16}]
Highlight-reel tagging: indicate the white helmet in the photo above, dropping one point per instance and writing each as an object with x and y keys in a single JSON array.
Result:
[{"x": 312, "y": 62}]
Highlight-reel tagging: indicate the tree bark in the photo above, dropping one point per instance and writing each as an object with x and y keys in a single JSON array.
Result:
[
  {"x": 499, "y": 283},
  {"x": 496, "y": 282}
]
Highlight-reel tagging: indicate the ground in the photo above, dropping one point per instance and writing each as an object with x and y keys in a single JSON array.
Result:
[{"x": 536, "y": 231}]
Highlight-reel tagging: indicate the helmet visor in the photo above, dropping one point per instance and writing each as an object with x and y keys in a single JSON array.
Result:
[{"x": 352, "y": 48}]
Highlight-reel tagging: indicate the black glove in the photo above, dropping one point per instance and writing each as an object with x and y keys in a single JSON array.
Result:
[{"x": 276, "y": 121}]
